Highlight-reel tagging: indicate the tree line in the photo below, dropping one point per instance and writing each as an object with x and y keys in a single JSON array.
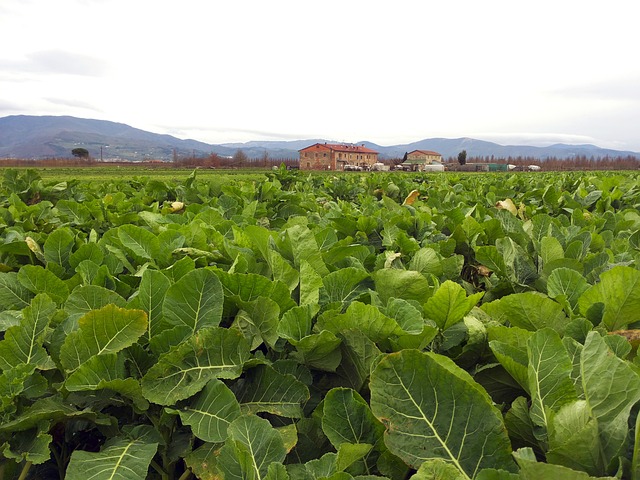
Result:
[
  {"x": 579, "y": 162},
  {"x": 241, "y": 160}
]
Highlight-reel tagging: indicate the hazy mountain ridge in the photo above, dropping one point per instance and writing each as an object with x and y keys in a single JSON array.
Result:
[{"x": 24, "y": 136}]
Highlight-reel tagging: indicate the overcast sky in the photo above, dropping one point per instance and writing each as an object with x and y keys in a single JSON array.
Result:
[{"x": 525, "y": 71}]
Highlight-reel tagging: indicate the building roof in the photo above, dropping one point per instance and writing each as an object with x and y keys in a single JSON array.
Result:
[
  {"x": 336, "y": 147},
  {"x": 424, "y": 152}
]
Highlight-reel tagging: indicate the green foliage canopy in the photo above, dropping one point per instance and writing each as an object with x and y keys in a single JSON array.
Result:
[{"x": 275, "y": 326}]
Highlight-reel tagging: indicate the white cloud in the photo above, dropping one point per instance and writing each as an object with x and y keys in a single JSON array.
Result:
[
  {"x": 70, "y": 103},
  {"x": 63, "y": 62},
  {"x": 380, "y": 71}
]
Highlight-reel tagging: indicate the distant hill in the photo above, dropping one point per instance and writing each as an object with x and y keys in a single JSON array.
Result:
[
  {"x": 23, "y": 136},
  {"x": 480, "y": 148},
  {"x": 37, "y": 137}
]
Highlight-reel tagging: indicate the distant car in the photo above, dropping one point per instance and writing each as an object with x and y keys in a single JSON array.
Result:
[
  {"x": 352, "y": 168},
  {"x": 533, "y": 168}
]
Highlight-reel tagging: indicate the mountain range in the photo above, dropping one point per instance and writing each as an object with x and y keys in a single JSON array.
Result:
[{"x": 39, "y": 137}]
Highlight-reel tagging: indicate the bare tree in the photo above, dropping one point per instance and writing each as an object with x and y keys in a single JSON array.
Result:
[{"x": 240, "y": 158}]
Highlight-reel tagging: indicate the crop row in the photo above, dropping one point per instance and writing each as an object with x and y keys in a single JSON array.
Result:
[{"x": 285, "y": 326}]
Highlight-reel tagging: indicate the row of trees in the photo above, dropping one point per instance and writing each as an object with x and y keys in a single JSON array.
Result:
[
  {"x": 581, "y": 162},
  {"x": 240, "y": 159}
]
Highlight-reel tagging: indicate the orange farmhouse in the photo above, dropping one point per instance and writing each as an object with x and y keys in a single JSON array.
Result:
[{"x": 332, "y": 156}]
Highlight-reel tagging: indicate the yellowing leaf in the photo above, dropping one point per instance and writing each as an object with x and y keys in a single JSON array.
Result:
[
  {"x": 411, "y": 197},
  {"x": 507, "y": 204},
  {"x": 35, "y": 248}
]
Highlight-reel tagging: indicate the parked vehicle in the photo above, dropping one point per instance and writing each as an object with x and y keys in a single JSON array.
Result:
[
  {"x": 379, "y": 167},
  {"x": 352, "y": 168}
]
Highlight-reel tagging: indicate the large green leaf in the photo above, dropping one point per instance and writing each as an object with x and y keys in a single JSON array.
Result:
[
  {"x": 611, "y": 388},
  {"x": 13, "y": 295},
  {"x": 281, "y": 270},
  {"x": 343, "y": 285},
  {"x": 33, "y": 446},
  {"x": 319, "y": 350},
  {"x": 324, "y": 467},
  {"x": 38, "y": 280},
  {"x": 550, "y": 250},
  {"x": 531, "y": 469},
  {"x": 490, "y": 257},
  {"x": 437, "y": 469},
  {"x": 58, "y": 246},
  {"x": 73, "y": 212},
  {"x": 449, "y": 304},
  {"x": 508, "y": 260},
  {"x": 202, "y": 461},
  {"x": 615, "y": 300},
  {"x": 567, "y": 283},
  {"x": 119, "y": 459},
  {"x": 366, "y": 318},
  {"x": 549, "y": 372},
  {"x": 186, "y": 368},
  {"x": 348, "y": 455},
  {"x": 296, "y": 323},
  {"x": 407, "y": 284},
  {"x": 107, "y": 330},
  {"x": 211, "y": 412},
  {"x": 347, "y": 418},
  {"x": 522, "y": 431},
  {"x": 47, "y": 409},
  {"x": 179, "y": 269},
  {"x": 13, "y": 383},
  {"x": 246, "y": 287},
  {"x": 106, "y": 371},
  {"x": 310, "y": 284},
  {"x": 303, "y": 246},
  {"x": 140, "y": 242},
  {"x": 431, "y": 409},
  {"x": 253, "y": 445},
  {"x": 87, "y": 251},
  {"x": 509, "y": 345},
  {"x": 573, "y": 439},
  {"x": 529, "y": 310},
  {"x": 407, "y": 315},
  {"x": 635, "y": 460},
  {"x": 358, "y": 354},
  {"x": 194, "y": 301},
  {"x": 514, "y": 360},
  {"x": 266, "y": 390},
  {"x": 263, "y": 315},
  {"x": 83, "y": 299},
  {"x": 427, "y": 261},
  {"x": 24, "y": 343},
  {"x": 150, "y": 298}
]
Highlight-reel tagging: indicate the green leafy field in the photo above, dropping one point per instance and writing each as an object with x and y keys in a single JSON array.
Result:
[{"x": 284, "y": 326}]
